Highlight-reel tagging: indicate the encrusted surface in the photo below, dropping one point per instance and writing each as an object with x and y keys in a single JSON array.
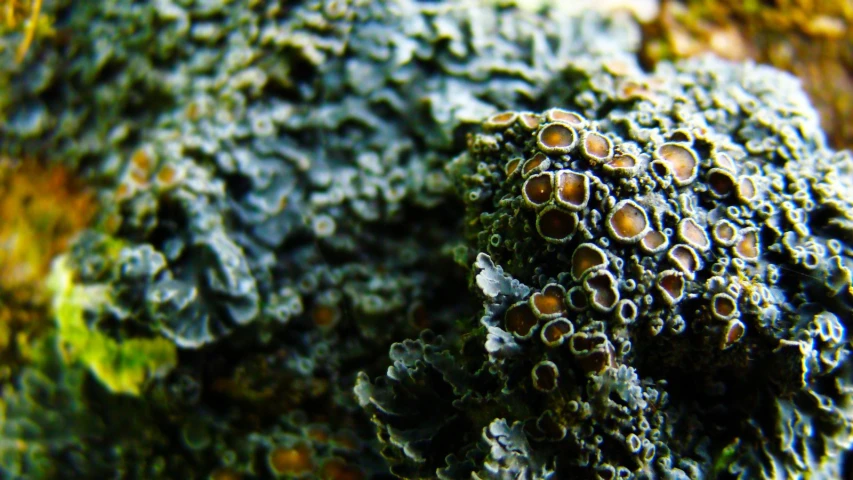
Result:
[
  {"x": 687, "y": 350},
  {"x": 812, "y": 39},
  {"x": 662, "y": 258}
]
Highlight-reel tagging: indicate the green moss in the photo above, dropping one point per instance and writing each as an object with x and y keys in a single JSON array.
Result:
[{"x": 121, "y": 366}]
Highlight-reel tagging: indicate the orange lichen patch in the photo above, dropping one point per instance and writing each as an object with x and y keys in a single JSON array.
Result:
[
  {"x": 529, "y": 121},
  {"x": 587, "y": 258},
  {"x": 124, "y": 191},
  {"x": 556, "y": 225},
  {"x": 512, "y": 166},
  {"x": 556, "y": 331},
  {"x": 724, "y": 233},
  {"x": 723, "y": 306},
  {"x": 141, "y": 160},
  {"x": 338, "y": 469},
  {"x": 537, "y": 189},
  {"x": 721, "y": 182},
  {"x": 622, "y": 164},
  {"x": 559, "y": 115},
  {"x": 576, "y": 299},
  {"x": 536, "y": 162},
  {"x": 682, "y": 162},
  {"x": 557, "y": 137},
  {"x": 596, "y": 147},
  {"x": 500, "y": 121},
  {"x": 582, "y": 343},
  {"x": 572, "y": 189},
  {"x": 672, "y": 33},
  {"x": 623, "y": 161},
  {"x": 747, "y": 247},
  {"x": 654, "y": 242},
  {"x": 604, "y": 299},
  {"x": 325, "y": 316},
  {"x": 549, "y": 302},
  {"x": 627, "y": 222},
  {"x": 601, "y": 287},
  {"x": 167, "y": 176},
  {"x": 597, "y": 361},
  {"x": 630, "y": 89},
  {"x": 693, "y": 234},
  {"x": 139, "y": 177},
  {"x": 520, "y": 320},
  {"x": 685, "y": 258},
  {"x": 41, "y": 209},
  {"x": 724, "y": 161},
  {"x": 291, "y": 461},
  {"x": 671, "y": 285},
  {"x": 225, "y": 474},
  {"x": 732, "y": 334},
  {"x": 545, "y": 375},
  {"x": 593, "y": 351},
  {"x": 746, "y": 190}
]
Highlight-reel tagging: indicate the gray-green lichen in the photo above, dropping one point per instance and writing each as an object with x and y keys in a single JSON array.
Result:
[
  {"x": 666, "y": 281},
  {"x": 275, "y": 204},
  {"x": 283, "y": 187}
]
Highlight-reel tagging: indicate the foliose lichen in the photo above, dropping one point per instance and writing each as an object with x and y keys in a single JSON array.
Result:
[
  {"x": 809, "y": 39},
  {"x": 275, "y": 209},
  {"x": 666, "y": 288},
  {"x": 281, "y": 204}
]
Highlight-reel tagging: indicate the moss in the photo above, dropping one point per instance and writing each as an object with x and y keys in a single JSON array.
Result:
[{"x": 122, "y": 366}]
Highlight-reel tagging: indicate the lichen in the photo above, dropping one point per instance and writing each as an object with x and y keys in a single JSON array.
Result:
[
  {"x": 669, "y": 328},
  {"x": 659, "y": 277},
  {"x": 809, "y": 39}
]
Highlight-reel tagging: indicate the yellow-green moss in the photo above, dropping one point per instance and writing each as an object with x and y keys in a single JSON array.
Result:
[{"x": 122, "y": 366}]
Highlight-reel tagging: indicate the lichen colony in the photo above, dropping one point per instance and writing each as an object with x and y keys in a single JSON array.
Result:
[{"x": 358, "y": 239}]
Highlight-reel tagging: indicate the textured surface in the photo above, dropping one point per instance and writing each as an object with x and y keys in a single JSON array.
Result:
[
  {"x": 275, "y": 202},
  {"x": 289, "y": 188},
  {"x": 260, "y": 177},
  {"x": 41, "y": 210},
  {"x": 665, "y": 282},
  {"x": 811, "y": 39}
]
